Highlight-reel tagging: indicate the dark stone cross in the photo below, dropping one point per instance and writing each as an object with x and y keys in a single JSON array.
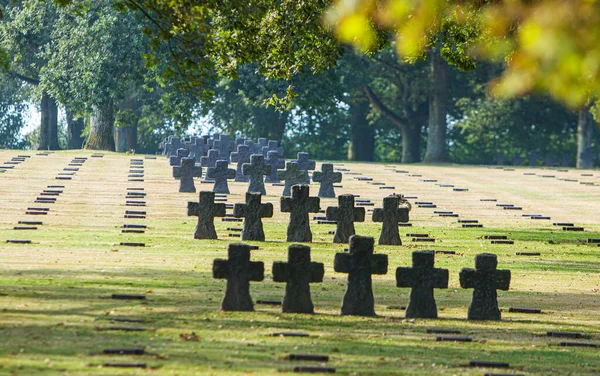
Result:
[
  {"x": 252, "y": 147},
  {"x": 253, "y": 212},
  {"x": 391, "y": 214},
  {"x": 422, "y": 278},
  {"x": 305, "y": 164},
  {"x": 239, "y": 271},
  {"x": 206, "y": 210},
  {"x": 345, "y": 214},
  {"x": 197, "y": 147},
  {"x": 298, "y": 273},
  {"x": 360, "y": 263},
  {"x": 485, "y": 279},
  {"x": 299, "y": 205},
  {"x": 262, "y": 143},
  {"x": 210, "y": 160},
  {"x": 220, "y": 173},
  {"x": 186, "y": 173},
  {"x": 275, "y": 162},
  {"x": 223, "y": 145},
  {"x": 171, "y": 146},
  {"x": 241, "y": 156},
  {"x": 239, "y": 141},
  {"x": 291, "y": 176},
  {"x": 327, "y": 177},
  {"x": 272, "y": 146},
  {"x": 176, "y": 159},
  {"x": 256, "y": 169}
]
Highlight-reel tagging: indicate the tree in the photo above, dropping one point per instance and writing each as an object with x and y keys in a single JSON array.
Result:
[{"x": 11, "y": 110}]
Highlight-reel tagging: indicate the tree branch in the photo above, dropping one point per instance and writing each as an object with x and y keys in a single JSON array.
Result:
[
  {"x": 21, "y": 77},
  {"x": 375, "y": 101}
]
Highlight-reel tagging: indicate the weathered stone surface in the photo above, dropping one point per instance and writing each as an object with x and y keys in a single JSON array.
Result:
[
  {"x": 291, "y": 176},
  {"x": 171, "y": 146},
  {"x": 210, "y": 160},
  {"x": 241, "y": 156},
  {"x": 197, "y": 147},
  {"x": 360, "y": 263},
  {"x": 239, "y": 271},
  {"x": 299, "y": 205},
  {"x": 305, "y": 164},
  {"x": 252, "y": 147},
  {"x": 220, "y": 173},
  {"x": 327, "y": 178},
  {"x": 485, "y": 279},
  {"x": 272, "y": 145},
  {"x": 298, "y": 273},
  {"x": 253, "y": 212},
  {"x": 256, "y": 170},
  {"x": 345, "y": 214},
  {"x": 391, "y": 214},
  {"x": 275, "y": 162},
  {"x": 224, "y": 145},
  {"x": 186, "y": 173},
  {"x": 206, "y": 210},
  {"x": 422, "y": 278},
  {"x": 176, "y": 159}
]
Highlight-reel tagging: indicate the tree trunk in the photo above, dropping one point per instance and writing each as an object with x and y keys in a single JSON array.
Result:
[
  {"x": 126, "y": 138},
  {"x": 362, "y": 134},
  {"x": 411, "y": 143},
  {"x": 585, "y": 129},
  {"x": 101, "y": 128},
  {"x": 437, "y": 149},
  {"x": 74, "y": 129},
  {"x": 49, "y": 124}
]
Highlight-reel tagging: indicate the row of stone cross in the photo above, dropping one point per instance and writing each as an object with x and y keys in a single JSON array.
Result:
[
  {"x": 360, "y": 263},
  {"x": 299, "y": 205}
]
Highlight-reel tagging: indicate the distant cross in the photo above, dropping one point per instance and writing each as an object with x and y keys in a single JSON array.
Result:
[
  {"x": 274, "y": 145},
  {"x": 239, "y": 271},
  {"x": 360, "y": 263},
  {"x": 305, "y": 164},
  {"x": 176, "y": 159},
  {"x": 220, "y": 173},
  {"x": 253, "y": 212},
  {"x": 327, "y": 177},
  {"x": 239, "y": 141},
  {"x": 254, "y": 148},
  {"x": 211, "y": 159},
  {"x": 206, "y": 210},
  {"x": 422, "y": 278},
  {"x": 298, "y": 273},
  {"x": 291, "y": 176},
  {"x": 262, "y": 143},
  {"x": 241, "y": 156},
  {"x": 275, "y": 162},
  {"x": 533, "y": 157},
  {"x": 256, "y": 169},
  {"x": 197, "y": 147},
  {"x": 186, "y": 174},
  {"x": 299, "y": 205},
  {"x": 208, "y": 141},
  {"x": 391, "y": 214},
  {"x": 172, "y": 145},
  {"x": 485, "y": 279},
  {"x": 345, "y": 215},
  {"x": 223, "y": 145}
]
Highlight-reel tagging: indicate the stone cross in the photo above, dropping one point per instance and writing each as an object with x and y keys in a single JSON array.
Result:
[
  {"x": 211, "y": 159},
  {"x": 176, "y": 159},
  {"x": 299, "y": 205},
  {"x": 239, "y": 141},
  {"x": 252, "y": 147},
  {"x": 197, "y": 147},
  {"x": 345, "y": 214},
  {"x": 206, "y": 210},
  {"x": 305, "y": 164},
  {"x": 298, "y": 273},
  {"x": 291, "y": 176},
  {"x": 422, "y": 278},
  {"x": 485, "y": 279},
  {"x": 241, "y": 156},
  {"x": 253, "y": 212},
  {"x": 239, "y": 271},
  {"x": 327, "y": 177},
  {"x": 391, "y": 214},
  {"x": 223, "y": 145},
  {"x": 262, "y": 143},
  {"x": 256, "y": 169},
  {"x": 275, "y": 163},
  {"x": 220, "y": 173},
  {"x": 360, "y": 263},
  {"x": 186, "y": 174},
  {"x": 172, "y": 145}
]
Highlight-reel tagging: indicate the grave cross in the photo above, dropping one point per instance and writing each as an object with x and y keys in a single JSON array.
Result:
[
  {"x": 262, "y": 143},
  {"x": 220, "y": 173},
  {"x": 252, "y": 147},
  {"x": 299, "y": 205},
  {"x": 186, "y": 173},
  {"x": 206, "y": 210},
  {"x": 305, "y": 164},
  {"x": 171, "y": 146},
  {"x": 241, "y": 156},
  {"x": 345, "y": 214},
  {"x": 291, "y": 176},
  {"x": 391, "y": 214},
  {"x": 239, "y": 271},
  {"x": 422, "y": 278},
  {"x": 197, "y": 147},
  {"x": 176, "y": 159},
  {"x": 360, "y": 263},
  {"x": 275, "y": 163},
  {"x": 253, "y": 212},
  {"x": 223, "y": 145},
  {"x": 298, "y": 273},
  {"x": 272, "y": 146},
  {"x": 256, "y": 169},
  {"x": 327, "y": 177},
  {"x": 485, "y": 279},
  {"x": 211, "y": 159}
]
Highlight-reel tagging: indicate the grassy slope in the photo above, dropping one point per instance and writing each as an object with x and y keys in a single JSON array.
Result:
[{"x": 51, "y": 291}]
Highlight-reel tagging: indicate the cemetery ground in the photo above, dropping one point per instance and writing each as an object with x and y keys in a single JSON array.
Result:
[{"x": 57, "y": 315}]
